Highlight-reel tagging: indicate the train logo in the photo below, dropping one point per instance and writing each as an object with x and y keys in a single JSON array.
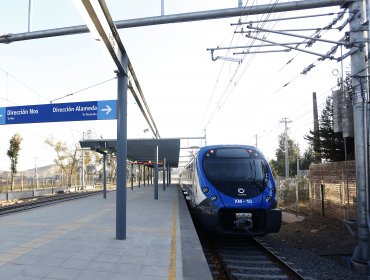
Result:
[{"x": 241, "y": 190}]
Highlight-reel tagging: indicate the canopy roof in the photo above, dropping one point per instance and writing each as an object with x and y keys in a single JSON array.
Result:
[{"x": 141, "y": 150}]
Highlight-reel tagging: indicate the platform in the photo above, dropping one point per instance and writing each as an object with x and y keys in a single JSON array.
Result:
[{"x": 76, "y": 240}]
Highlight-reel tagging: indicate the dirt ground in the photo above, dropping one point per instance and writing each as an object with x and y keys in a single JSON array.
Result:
[{"x": 321, "y": 235}]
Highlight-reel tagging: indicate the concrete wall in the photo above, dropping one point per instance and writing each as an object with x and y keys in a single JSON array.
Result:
[{"x": 332, "y": 177}]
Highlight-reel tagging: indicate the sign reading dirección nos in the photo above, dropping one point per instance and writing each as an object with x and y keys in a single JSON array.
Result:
[{"x": 58, "y": 112}]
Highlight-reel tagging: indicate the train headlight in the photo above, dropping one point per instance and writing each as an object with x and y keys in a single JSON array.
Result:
[
  {"x": 268, "y": 199},
  {"x": 205, "y": 190},
  {"x": 213, "y": 198},
  {"x": 273, "y": 190}
]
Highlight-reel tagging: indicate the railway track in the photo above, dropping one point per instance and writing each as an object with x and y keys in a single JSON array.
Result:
[
  {"x": 31, "y": 203},
  {"x": 244, "y": 258}
]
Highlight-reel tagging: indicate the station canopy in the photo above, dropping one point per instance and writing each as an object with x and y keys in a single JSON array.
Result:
[{"x": 142, "y": 151}]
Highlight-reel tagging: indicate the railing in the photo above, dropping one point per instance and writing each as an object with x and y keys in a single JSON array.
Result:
[{"x": 22, "y": 182}]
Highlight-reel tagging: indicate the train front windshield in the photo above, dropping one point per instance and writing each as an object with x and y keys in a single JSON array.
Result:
[{"x": 234, "y": 164}]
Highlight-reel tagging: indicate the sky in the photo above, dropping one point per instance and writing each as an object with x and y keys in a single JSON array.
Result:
[{"x": 188, "y": 93}]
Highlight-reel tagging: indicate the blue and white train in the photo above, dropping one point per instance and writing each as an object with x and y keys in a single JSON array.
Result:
[{"x": 231, "y": 190}]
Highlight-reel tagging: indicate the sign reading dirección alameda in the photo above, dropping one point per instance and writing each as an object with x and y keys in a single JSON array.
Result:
[{"x": 59, "y": 112}]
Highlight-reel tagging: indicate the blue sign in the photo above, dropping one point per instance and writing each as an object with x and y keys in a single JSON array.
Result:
[{"x": 59, "y": 112}]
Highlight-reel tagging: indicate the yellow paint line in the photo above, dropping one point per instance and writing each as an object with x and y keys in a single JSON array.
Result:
[{"x": 172, "y": 268}]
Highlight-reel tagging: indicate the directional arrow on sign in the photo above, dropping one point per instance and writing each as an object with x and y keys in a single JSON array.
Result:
[{"x": 107, "y": 109}]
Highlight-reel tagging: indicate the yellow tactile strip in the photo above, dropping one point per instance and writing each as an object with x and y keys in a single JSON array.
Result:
[{"x": 172, "y": 267}]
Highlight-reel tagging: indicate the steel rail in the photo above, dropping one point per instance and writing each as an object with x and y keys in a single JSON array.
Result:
[{"x": 294, "y": 272}]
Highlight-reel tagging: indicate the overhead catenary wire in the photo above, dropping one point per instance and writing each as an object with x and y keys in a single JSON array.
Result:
[
  {"x": 83, "y": 89},
  {"x": 309, "y": 42},
  {"x": 218, "y": 77},
  {"x": 23, "y": 84},
  {"x": 305, "y": 71},
  {"x": 233, "y": 81}
]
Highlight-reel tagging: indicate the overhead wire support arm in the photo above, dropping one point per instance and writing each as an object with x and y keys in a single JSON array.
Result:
[
  {"x": 280, "y": 19},
  {"x": 292, "y": 35},
  {"x": 269, "y": 51},
  {"x": 251, "y": 46},
  {"x": 232, "y": 59},
  {"x": 347, "y": 21},
  {"x": 289, "y": 47},
  {"x": 293, "y": 30}
]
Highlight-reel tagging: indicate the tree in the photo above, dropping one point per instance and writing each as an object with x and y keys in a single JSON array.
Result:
[
  {"x": 67, "y": 158},
  {"x": 278, "y": 165},
  {"x": 13, "y": 154},
  {"x": 307, "y": 158},
  {"x": 331, "y": 143}
]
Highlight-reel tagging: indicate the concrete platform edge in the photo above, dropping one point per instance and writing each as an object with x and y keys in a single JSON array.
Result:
[{"x": 194, "y": 263}]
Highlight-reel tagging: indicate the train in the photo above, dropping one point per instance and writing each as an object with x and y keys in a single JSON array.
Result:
[{"x": 230, "y": 190}]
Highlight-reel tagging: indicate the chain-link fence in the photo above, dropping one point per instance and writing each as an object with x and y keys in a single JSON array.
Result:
[
  {"x": 22, "y": 182},
  {"x": 293, "y": 194}
]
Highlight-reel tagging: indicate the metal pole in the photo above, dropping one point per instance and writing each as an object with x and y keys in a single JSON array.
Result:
[
  {"x": 139, "y": 174},
  {"x": 132, "y": 175},
  {"x": 297, "y": 196},
  {"x": 360, "y": 256},
  {"x": 346, "y": 175},
  {"x": 36, "y": 175},
  {"x": 162, "y": 7},
  {"x": 104, "y": 176},
  {"x": 156, "y": 174},
  {"x": 164, "y": 174},
  {"x": 83, "y": 163},
  {"x": 177, "y": 18},
  {"x": 144, "y": 175},
  {"x": 121, "y": 156},
  {"x": 322, "y": 193},
  {"x": 29, "y": 15},
  {"x": 285, "y": 121},
  {"x": 298, "y": 161},
  {"x": 316, "y": 143},
  {"x": 168, "y": 174}
]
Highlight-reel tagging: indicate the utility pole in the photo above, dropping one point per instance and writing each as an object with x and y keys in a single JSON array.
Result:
[
  {"x": 286, "y": 121},
  {"x": 316, "y": 135},
  {"x": 256, "y": 135},
  {"x": 359, "y": 65}
]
